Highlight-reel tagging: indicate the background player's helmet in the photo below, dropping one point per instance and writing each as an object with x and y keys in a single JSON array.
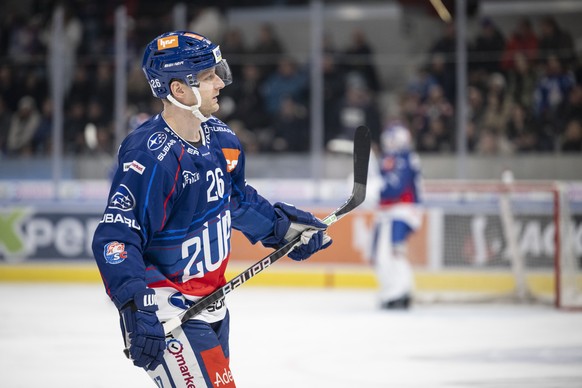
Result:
[
  {"x": 396, "y": 138},
  {"x": 181, "y": 55}
]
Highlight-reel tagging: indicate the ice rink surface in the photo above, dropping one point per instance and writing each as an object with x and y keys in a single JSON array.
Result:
[{"x": 67, "y": 336}]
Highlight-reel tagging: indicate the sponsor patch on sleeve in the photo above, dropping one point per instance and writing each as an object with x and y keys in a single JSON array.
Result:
[{"x": 135, "y": 166}]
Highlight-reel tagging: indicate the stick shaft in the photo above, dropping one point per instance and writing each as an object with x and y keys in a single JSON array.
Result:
[{"x": 361, "y": 159}]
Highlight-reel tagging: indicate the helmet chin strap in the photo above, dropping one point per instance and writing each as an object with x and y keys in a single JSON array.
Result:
[{"x": 194, "y": 108}]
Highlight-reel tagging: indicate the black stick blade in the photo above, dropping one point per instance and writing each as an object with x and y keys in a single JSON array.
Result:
[{"x": 362, "y": 144}]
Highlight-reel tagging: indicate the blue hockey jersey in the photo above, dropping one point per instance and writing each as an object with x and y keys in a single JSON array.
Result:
[
  {"x": 170, "y": 212},
  {"x": 400, "y": 173}
]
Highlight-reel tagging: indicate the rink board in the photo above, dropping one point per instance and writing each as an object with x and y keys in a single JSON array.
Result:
[{"x": 303, "y": 275}]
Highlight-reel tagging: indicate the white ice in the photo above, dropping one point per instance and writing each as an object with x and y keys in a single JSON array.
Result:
[{"x": 67, "y": 336}]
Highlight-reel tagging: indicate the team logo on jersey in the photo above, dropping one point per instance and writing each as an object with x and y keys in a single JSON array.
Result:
[
  {"x": 135, "y": 166},
  {"x": 231, "y": 155},
  {"x": 157, "y": 140},
  {"x": 122, "y": 200},
  {"x": 168, "y": 42},
  {"x": 114, "y": 252},
  {"x": 190, "y": 177}
]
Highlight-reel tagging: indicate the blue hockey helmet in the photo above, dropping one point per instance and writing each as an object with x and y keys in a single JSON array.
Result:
[
  {"x": 181, "y": 55},
  {"x": 395, "y": 138}
]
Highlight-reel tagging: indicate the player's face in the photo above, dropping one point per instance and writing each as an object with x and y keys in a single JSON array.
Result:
[{"x": 210, "y": 85}]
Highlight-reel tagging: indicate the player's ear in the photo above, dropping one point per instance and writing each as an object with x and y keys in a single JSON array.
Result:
[{"x": 177, "y": 88}]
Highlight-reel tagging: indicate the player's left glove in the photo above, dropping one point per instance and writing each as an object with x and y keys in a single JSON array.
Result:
[
  {"x": 292, "y": 222},
  {"x": 143, "y": 332}
]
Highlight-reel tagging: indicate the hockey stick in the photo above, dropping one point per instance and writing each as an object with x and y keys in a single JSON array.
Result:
[{"x": 361, "y": 160}]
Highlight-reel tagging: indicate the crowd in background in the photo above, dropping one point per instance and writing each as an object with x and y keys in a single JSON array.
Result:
[{"x": 524, "y": 95}]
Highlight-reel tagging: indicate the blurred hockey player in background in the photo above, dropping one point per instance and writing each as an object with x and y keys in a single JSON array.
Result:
[
  {"x": 399, "y": 215},
  {"x": 164, "y": 240}
]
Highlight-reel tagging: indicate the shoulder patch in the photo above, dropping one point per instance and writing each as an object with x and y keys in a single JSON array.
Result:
[{"x": 231, "y": 155}]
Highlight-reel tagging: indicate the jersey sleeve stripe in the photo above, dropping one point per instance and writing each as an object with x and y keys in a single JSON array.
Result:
[
  {"x": 147, "y": 199},
  {"x": 176, "y": 176}
]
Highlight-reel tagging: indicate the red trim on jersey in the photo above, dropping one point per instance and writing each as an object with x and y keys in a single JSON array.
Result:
[
  {"x": 195, "y": 286},
  {"x": 173, "y": 187},
  {"x": 407, "y": 197}
]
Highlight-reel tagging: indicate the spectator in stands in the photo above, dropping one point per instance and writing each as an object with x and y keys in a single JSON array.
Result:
[
  {"x": 24, "y": 45},
  {"x": 288, "y": 81},
  {"x": 359, "y": 58},
  {"x": 572, "y": 110},
  {"x": 267, "y": 51},
  {"x": 492, "y": 143},
  {"x": 35, "y": 85},
  {"x": 357, "y": 107},
  {"x": 74, "y": 129},
  {"x": 498, "y": 107},
  {"x": 81, "y": 84},
  {"x": 471, "y": 136},
  {"x": 410, "y": 113},
  {"x": 234, "y": 48},
  {"x": 103, "y": 85},
  {"x": 522, "y": 81},
  {"x": 208, "y": 21},
  {"x": 523, "y": 42},
  {"x": 436, "y": 105},
  {"x": 334, "y": 86},
  {"x": 421, "y": 83},
  {"x": 555, "y": 41},
  {"x": 23, "y": 126},
  {"x": 9, "y": 89},
  {"x": 476, "y": 106},
  {"x": 5, "y": 116},
  {"x": 442, "y": 60},
  {"x": 246, "y": 95},
  {"x": 42, "y": 140},
  {"x": 436, "y": 137},
  {"x": 552, "y": 89},
  {"x": 291, "y": 127},
  {"x": 571, "y": 141},
  {"x": 446, "y": 43},
  {"x": 485, "y": 54},
  {"x": 522, "y": 131},
  {"x": 444, "y": 75},
  {"x": 138, "y": 90}
]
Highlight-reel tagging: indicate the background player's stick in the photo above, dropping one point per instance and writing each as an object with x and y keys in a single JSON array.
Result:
[{"x": 361, "y": 159}]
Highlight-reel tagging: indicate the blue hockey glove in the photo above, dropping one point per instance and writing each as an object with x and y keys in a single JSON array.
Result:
[
  {"x": 143, "y": 332},
  {"x": 292, "y": 222}
]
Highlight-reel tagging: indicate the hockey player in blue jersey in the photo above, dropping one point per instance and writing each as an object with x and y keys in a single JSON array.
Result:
[
  {"x": 399, "y": 215},
  {"x": 164, "y": 240}
]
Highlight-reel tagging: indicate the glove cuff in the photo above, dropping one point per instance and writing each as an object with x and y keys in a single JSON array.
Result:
[
  {"x": 127, "y": 292},
  {"x": 146, "y": 300}
]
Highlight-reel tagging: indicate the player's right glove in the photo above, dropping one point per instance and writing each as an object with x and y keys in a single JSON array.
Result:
[
  {"x": 291, "y": 222},
  {"x": 143, "y": 333}
]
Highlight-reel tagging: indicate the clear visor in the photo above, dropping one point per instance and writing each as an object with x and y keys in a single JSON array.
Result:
[{"x": 223, "y": 71}]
